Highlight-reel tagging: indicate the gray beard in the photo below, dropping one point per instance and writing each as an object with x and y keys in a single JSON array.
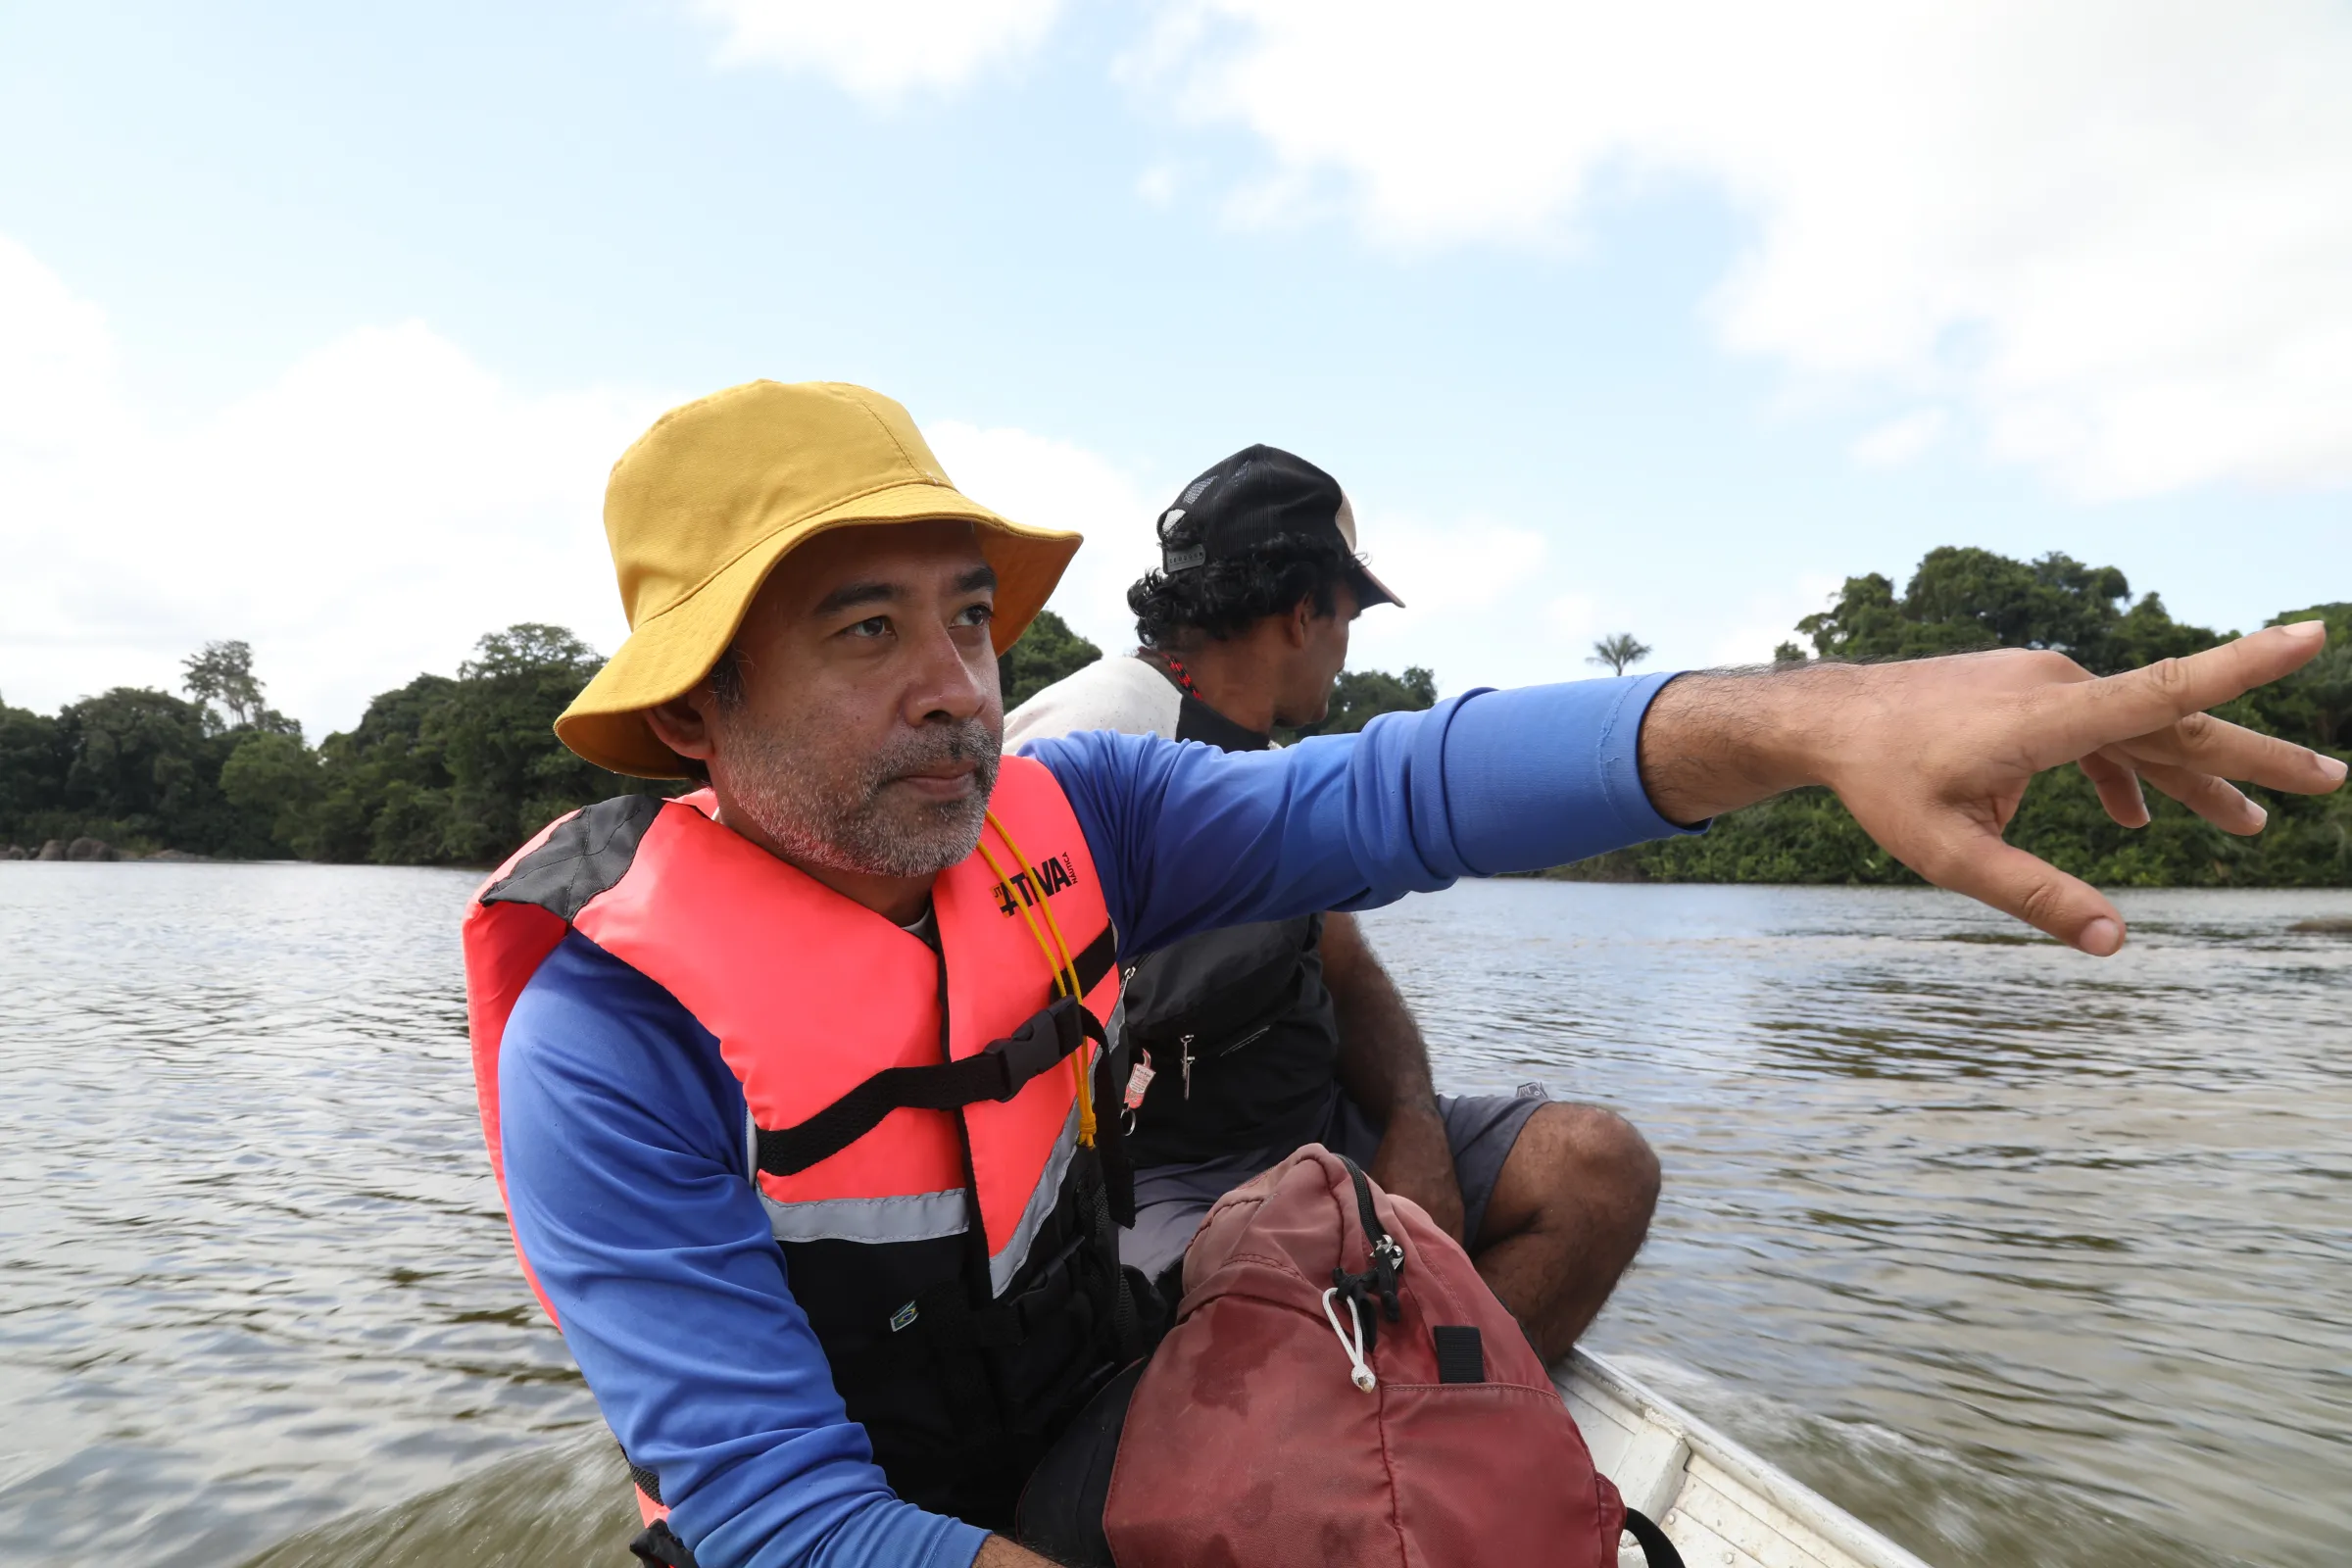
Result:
[{"x": 846, "y": 823}]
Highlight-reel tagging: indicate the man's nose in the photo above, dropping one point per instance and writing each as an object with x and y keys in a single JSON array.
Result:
[{"x": 945, "y": 681}]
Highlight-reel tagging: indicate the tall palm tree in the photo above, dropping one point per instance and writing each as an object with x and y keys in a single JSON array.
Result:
[{"x": 1618, "y": 651}]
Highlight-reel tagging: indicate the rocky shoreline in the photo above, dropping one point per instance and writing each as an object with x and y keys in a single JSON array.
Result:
[{"x": 90, "y": 849}]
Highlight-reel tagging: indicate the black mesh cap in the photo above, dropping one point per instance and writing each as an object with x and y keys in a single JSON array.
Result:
[{"x": 1258, "y": 493}]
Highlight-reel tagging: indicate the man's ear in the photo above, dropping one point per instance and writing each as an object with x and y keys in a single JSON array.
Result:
[
  {"x": 679, "y": 724},
  {"x": 1300, "y": 625}
]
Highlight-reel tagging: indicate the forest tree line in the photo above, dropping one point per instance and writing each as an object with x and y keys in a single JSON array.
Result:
[
  {"x": 456, "y": 770},
  {"x": 1963, "y": 600}
]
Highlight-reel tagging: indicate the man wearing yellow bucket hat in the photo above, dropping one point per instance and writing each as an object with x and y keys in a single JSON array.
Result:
[{"x": 800, "y": 1087}]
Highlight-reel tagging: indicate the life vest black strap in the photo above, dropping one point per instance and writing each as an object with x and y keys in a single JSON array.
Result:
[
  {"x": 1656, "y": 1550},
  {"x": 998, "y": 1071},
  {"x": 659, "y": 1546},
  {"x": 1093, "y": 962}
]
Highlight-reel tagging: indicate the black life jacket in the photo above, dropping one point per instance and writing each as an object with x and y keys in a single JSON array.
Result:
[
  {"x": 1238, "y": 1032},
  {"x": 1236, "y": 1025}
]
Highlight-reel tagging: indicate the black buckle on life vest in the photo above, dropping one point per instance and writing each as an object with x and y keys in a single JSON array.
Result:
[
  {"x": 998, "y": 1071},
  {"x": 1043, "y": 1040}
]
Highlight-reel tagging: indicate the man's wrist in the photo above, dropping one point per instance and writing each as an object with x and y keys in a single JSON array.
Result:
[{"x": 1715, "y": 741}]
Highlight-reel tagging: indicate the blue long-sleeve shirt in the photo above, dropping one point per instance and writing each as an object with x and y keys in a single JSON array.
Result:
[{"x": 622, "y": 1125}]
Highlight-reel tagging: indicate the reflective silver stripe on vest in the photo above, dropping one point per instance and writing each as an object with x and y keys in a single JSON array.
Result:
[
  {"x": 1009, "y": 1257},
  {"x": 918, "y": 1217}
]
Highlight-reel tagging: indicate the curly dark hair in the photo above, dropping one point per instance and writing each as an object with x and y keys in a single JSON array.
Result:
[{"x": 1226, "y": 597}]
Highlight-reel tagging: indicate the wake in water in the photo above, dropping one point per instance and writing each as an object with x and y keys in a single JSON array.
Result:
[
  {"x": 1977, "y": 1515},
  {"x": 556, "y": 1508}
]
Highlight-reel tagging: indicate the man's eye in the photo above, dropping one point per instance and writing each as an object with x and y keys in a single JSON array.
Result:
[
  {"x": 873, "y": 626},
  {"x": 976, "y": 615}
]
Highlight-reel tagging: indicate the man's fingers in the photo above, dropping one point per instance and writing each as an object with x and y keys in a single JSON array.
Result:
[
  {"x": 1990, "y": 871},
  {"x": 2215, "y": 799},
  {"x": 2119, "y": 789},
  {"x": 2204, "y": 744},
  {"x": 2083, "y": 717}
]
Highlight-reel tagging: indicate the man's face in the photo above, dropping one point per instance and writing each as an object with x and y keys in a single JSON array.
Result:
[
  {"x": 1306, "y": 697},
  {"x": 868, "y": 734}
]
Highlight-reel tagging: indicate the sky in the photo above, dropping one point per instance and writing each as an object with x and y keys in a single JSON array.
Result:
[{"x": 321, "y": 326}]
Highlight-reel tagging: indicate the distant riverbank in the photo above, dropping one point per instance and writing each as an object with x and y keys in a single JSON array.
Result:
[
  {"x": 90, "y": 848},
  {"x": 458, "y": 771},
  {"x": 1807, "y": 839}
]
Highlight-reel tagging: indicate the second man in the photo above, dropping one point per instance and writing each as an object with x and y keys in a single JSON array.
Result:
[{"x": 1259, "y": 1039}]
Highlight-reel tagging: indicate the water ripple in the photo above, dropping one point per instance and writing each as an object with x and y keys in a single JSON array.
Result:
[{"x": 2025, "y": 1258}]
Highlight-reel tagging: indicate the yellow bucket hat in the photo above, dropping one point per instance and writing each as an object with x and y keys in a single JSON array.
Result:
[{"x": 706, "y": 503}]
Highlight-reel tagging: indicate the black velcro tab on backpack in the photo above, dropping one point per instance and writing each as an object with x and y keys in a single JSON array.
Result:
[{"x": 1461, "y": 1356}]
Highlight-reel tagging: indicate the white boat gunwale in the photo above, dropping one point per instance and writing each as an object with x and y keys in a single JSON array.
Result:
[{"x": 1653, "y": 1468}]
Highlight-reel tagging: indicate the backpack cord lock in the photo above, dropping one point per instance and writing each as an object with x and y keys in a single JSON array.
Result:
[{"x": 1358, "y": 1372}]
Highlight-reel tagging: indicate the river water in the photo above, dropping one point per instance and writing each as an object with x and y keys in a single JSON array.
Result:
[{"x": 2025, "y": 1258}]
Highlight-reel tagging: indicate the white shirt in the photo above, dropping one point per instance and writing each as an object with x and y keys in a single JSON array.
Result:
[{"x": 1115, "y": 692}]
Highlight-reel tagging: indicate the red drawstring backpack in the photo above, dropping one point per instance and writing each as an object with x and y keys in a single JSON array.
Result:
[{"x": 1341, "y": 1387}]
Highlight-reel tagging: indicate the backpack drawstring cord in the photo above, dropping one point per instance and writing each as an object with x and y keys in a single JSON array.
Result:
[{"x": 1358, "y": 1372}]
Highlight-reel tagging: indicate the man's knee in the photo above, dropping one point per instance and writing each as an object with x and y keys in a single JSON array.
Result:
[{"x": 1588, "y": 1158}]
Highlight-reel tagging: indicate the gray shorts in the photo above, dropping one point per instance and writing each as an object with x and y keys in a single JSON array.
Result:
[{"x": 1170, "y": 1201}]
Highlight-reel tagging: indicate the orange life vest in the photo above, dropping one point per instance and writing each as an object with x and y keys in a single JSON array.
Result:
[{"x": 932, "y": 1108}]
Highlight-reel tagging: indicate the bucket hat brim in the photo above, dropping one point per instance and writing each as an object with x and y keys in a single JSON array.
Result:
[{"x": 669, "y": 653}]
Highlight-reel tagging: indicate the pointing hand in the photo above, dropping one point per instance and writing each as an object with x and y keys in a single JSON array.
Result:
[{"x": 1933, "y": 756}]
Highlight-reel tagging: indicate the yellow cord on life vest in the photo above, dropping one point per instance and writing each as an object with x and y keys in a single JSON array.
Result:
[{"x": 1057, "y": 961}]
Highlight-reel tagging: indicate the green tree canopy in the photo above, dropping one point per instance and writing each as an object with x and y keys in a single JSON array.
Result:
[
  {"x": 507, "y": 774},
  {"x": 1960, "y": 600},
  {"x": 2315, "y": 703},
  {"x": 1360, "y": 696},
  {"x": 221, "y": 674},
  {"x": 32, "y": 771},
  {"x": 1047, "y": 651},
  {"x": 457, "y": 771},
  {"x": 374, "y": 777},
  {"x": 1964, "y": 599}
]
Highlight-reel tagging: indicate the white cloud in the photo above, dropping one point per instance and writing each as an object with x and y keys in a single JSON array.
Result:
[
  {"x": 1769, "y": 618},
  {"x": 368, "y": 516},
  {"x": 881, "y": 49},
  {"x": 1899, "y": 440},
  {"x": 1472, "y": 589},
  {"x": 56, "y": 361},
  {"x": 1035, "y": 479},
  {"x": 1573, "y": 618},
  {"x": 2115, "y": 233}
]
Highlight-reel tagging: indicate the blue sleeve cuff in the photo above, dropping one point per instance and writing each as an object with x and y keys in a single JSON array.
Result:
[
  {"x": 1535, "y": 777},
  {"x": 1511, "y": 781}
]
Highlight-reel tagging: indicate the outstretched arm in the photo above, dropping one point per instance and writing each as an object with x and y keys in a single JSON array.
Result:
[
  {"x": 1190, "y": 838},
  {"x": 1933, "y": 756}
]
